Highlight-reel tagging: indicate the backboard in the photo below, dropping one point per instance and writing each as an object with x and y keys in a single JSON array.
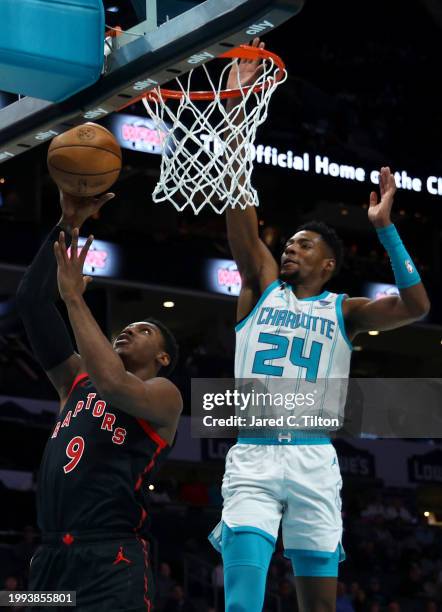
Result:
[{"x": 165, "y": 38}]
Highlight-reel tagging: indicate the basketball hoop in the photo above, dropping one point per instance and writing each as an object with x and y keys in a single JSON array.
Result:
[{"x": 208, "y": 151}]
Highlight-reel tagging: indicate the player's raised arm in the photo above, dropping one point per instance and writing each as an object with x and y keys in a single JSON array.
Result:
[
  {"x": 363, "y": 314},
  {"x": 37, "y": 293},
  {"x": 156, "y": 399},
  {"x": 256, "y": 264}
]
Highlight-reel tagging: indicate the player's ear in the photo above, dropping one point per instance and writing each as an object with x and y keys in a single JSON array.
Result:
[
  {"x": 163, "y": 359},
  {"x": 330, "y": 266}
]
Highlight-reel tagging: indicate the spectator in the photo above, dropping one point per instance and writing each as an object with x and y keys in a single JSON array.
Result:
[
  {"x": 177, "y": 602},
  {"x": 12, "y": 583},
  {"x": 218, "y": 576},
  {"x": 343, "y": 601},
  {"x": 424, "y": 535},
  {"x": 412, "y": 585},
  {"x": 394, "y": 606},
  {"x": 159, "y": 494},
  {"x": 24, "y": 550},
  {"x": 164, "y": 584},
  {"x": 374, "y": 593},
  {"x": 360, "y": 601},
  {"x": 430, "y": 587},
  {"x": 218, "y": 581},
  {"x": 396, "y": 511},
  {"x": 354, "y": 588},
  {"x": 375, "y": 509}
]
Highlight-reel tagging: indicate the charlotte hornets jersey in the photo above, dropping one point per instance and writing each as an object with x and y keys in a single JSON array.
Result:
[
  {"x": 96, "y": 466},
  {"x": 298, "y": 346}
]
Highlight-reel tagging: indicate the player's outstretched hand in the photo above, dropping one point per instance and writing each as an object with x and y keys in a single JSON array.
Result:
[
  {"x": 71, "y": 282},
  {"x": 77, "y": 209},
  {"x": 379, "y": 212},
  {"x": 245, "y": 72}
]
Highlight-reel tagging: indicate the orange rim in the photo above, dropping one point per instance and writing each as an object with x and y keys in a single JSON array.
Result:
[{"x": 241, "y": 52}]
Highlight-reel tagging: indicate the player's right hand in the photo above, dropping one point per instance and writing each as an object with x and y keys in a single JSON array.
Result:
[
  {"x": 71, "y": 281},
  {"x": 379, "y": 211},
  {"x": 77, "y": 209},
  {"x": 245, "y": 72}
]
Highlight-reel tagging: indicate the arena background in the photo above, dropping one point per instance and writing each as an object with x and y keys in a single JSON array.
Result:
[{"x": 363, "y": 91}]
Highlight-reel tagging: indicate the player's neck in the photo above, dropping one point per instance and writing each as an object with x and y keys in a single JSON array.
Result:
[
  {"x": 145, "y": 372},
  {"x": 306, "y": 289}
]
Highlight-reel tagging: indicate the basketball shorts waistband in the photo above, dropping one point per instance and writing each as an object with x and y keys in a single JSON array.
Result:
[
  {"x": 286, "y": 438},
  {"x": 68, "y": 538}
]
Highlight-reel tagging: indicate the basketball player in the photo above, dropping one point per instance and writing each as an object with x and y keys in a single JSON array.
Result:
[
  {"x": 116, "y": 423},
  {"x": 290, "y": 326}
]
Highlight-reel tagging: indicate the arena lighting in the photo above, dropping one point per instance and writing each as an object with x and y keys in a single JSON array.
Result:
[
  {"x": 168, "y": 304},
  {"x": 426, "y": 513},
  {"x": 373, "y": 333},
  {"x": 151, "y": 487},
  {"x": 222, "y": 276},
  {"x": 312, "y": 162},
  {"x": 103, "y": 258},
  {"x": 138, "y": 133},
  {"x": 374, "y": 291}
]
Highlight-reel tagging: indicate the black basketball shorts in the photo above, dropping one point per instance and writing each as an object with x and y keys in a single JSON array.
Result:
[{"x": 108, "y": 571}]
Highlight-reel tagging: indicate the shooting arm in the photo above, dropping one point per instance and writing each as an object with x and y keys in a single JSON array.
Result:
[{"x": 255, "y": 262}]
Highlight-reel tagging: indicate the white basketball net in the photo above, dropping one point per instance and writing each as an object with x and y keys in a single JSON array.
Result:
[{"x": 208, "y": 152}]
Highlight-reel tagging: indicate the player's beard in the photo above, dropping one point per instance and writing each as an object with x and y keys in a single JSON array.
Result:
[{"x": 291, "y": 278}]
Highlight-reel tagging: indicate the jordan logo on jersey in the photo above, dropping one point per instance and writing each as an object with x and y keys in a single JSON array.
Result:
[{"x": 121, "y": 557}]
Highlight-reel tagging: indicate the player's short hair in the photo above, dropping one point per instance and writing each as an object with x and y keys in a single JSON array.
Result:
[
  {"x": 330, "y": 237},
  {"x": 170, "y": 345}
]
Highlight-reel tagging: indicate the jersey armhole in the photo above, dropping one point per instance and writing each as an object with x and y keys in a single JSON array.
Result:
[
  {"x": 77, "y": 379},
  {"x": 151, "y": 433},
  {"x": 264, "y": 294},
  {"x": 340, "y": 318}
]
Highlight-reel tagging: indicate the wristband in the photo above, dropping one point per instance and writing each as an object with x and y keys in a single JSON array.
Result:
[{"x": 405, "y": 273}]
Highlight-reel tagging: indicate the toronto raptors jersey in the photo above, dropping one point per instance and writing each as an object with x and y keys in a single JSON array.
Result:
[
  {"x": 96, "y": 466},
  {"x": 297, "y": 346}
]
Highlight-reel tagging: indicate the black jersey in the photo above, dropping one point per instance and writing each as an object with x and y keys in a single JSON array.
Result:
[{"x": 96, "y": 466}]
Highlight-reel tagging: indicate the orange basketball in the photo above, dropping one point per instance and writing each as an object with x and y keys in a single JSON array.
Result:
[{"x": 85, "y": 160}]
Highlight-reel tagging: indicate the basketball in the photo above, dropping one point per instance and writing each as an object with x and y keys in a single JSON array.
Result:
[{"x": 85, "y": 160}]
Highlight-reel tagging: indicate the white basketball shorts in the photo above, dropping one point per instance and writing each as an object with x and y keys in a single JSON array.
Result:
[{"x": 298, "y": 484}]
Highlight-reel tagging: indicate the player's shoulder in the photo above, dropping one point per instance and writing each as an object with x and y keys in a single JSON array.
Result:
[
  {"x": 168, "y": 391},
  {"x": 350, "y": 305}
]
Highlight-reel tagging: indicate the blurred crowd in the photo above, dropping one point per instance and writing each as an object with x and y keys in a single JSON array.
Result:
[{"x": 393, "y": 556}]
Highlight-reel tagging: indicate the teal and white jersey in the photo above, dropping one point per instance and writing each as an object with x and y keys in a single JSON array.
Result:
[{"x": 297, "y": 345}]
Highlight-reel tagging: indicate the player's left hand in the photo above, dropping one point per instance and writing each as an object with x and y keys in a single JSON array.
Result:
[
  {"x": 76, "y": 209},
  {"x": 245, "y": 72},
  {"x": 71, "y": 282},
  {"x": 379, "y": 212}
]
